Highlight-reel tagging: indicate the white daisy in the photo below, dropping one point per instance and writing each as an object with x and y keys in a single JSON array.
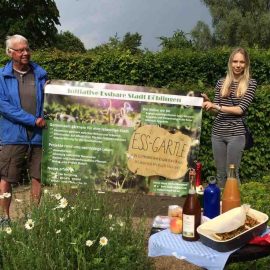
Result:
[
  {"x": 63, "y": 203},
  {"x": 103, "y": 241},
  {"x": 58, "y": 231},
  {"x": 89, "y": 243},
  {"x": 29, "y": 225},
  {"x": 110, "y": 216},
  {"x": 120, "y": 223},
  {"x": 8, "y": 230},
  {"x": 57, "y": 196}
]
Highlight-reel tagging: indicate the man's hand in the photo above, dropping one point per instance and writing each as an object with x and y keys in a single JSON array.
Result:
[
  {"x": 47, "y": 82},
  {"x": 40, "y": 122}
]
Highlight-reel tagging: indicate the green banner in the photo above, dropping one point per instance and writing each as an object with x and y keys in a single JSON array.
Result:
[{"x": 120, "y": 138}]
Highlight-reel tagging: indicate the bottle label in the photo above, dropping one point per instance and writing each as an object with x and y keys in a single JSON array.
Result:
[{"x": 188, "y": 225}]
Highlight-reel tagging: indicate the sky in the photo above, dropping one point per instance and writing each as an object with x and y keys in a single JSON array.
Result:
[{"x": 95, "y": 21}]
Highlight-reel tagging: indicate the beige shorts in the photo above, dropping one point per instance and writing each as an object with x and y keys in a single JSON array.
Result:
[{"x": 14, "y": 158}]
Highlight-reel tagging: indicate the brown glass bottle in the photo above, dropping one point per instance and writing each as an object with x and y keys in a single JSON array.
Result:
[
  {"x": 191, "y": 212},
  {"x": 231, "y": 193}
]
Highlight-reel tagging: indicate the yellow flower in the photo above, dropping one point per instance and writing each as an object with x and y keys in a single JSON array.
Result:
[{"x": 103, "y": 241}]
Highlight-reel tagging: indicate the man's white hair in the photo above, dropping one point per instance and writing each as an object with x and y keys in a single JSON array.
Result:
[{"x": 10, "y": 40}]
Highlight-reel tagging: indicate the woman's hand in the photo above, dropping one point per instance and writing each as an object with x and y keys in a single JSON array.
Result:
[
  {"x": 205, "y": 97},
  {"x": 208, "y": 105}
]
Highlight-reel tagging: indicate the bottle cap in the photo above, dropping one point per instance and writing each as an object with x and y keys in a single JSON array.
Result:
[{"x": 212, "y": 180}]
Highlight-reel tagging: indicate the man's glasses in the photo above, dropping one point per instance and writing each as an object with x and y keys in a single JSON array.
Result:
[{"x": 21, "y": 50}]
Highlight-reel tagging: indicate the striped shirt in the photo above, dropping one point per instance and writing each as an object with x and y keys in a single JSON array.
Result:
[{"x": 225, "y": 124}]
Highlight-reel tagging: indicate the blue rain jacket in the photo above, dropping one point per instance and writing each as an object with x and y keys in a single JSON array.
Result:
[{"x": 13, "y": 119}]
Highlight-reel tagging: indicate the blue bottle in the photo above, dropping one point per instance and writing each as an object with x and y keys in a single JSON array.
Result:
[{"x": 211, "y": 199}]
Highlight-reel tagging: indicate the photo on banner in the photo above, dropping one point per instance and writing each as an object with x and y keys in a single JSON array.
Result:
[{"x": 119, "y": 137}]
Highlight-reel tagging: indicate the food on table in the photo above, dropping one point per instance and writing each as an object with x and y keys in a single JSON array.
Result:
[
  {"x": 249, "y": 223},
  {"x": 176, "y": 225},
  {"x": 175, "y": 211}
]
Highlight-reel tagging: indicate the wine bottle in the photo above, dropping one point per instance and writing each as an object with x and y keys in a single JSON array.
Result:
[{"x": 191, "y": 211}]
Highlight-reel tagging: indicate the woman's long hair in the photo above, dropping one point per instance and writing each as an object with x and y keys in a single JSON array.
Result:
[{"x": 243, "y": 80}]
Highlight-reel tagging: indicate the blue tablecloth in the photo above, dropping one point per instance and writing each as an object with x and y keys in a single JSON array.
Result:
[{"x": 165, "y": 243}]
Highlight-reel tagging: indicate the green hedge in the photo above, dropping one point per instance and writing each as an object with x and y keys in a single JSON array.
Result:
[
  {"x": 177, "y": 70},
  {"x": 161, "y": 69}
]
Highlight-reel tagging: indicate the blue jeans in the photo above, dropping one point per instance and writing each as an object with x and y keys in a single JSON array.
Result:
[{"x": 227, "y": 150}]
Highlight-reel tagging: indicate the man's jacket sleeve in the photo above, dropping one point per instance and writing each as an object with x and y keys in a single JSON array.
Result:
[{"x": 13, "y": 113}]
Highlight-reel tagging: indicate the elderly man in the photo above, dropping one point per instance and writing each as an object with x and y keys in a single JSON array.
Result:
[{"x": 21, "y": 121}]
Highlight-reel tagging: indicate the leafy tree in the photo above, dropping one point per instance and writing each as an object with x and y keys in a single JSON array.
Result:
[
  {"x": 240, "y": 22},
  {"x": 35, "y": 20},
  {"x": 130, "y": 42},
  {"x": 179, "y": 40},
  {"x": 201, "y": 36},
  {"x": 67, "y": 42},
  {"x": 114, "y": 42}
]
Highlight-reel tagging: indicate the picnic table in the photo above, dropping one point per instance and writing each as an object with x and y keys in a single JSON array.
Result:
[{"x": 165, "y": 243}]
